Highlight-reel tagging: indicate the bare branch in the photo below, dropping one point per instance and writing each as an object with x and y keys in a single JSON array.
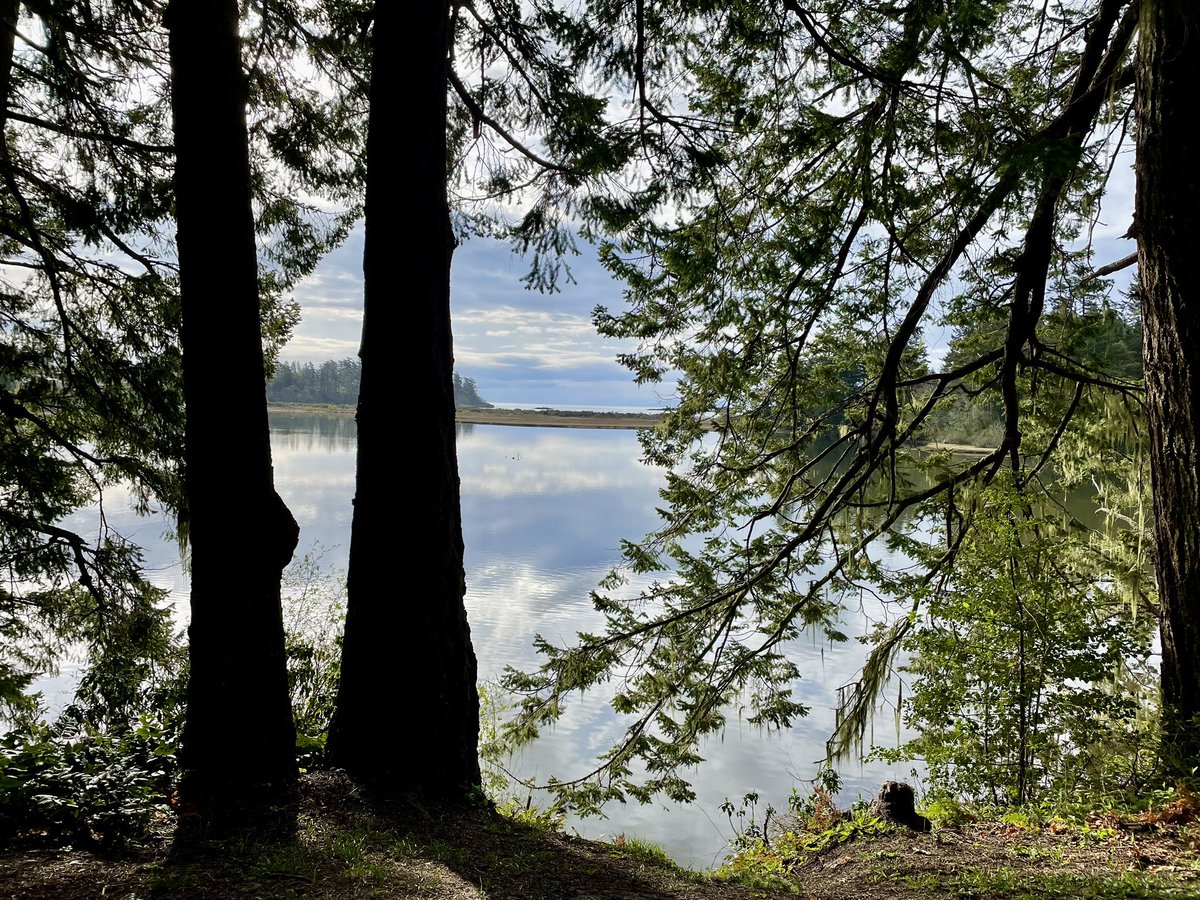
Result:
[{"x": 1111, "y": 267}]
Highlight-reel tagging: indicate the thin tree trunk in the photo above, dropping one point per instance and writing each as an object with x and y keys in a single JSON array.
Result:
[
  {"x": 407, "y": 716},
  {"x": 1168, "y": 226},
  {"x": 238, "y": 752}
]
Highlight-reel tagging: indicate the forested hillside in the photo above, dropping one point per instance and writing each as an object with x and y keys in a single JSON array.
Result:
[{"x": 337, "y": 381}]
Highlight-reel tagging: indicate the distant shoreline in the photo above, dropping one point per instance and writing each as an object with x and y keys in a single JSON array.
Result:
[
  {"x": 565, "y": 418},
  {"x": 527, "y": 418},
  {"x": 556, "y": 418}
]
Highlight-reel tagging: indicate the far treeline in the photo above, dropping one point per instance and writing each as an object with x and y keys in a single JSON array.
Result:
[{"x": 337, "y": 381}]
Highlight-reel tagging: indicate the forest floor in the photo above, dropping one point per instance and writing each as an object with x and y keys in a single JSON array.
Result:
[{"x": 344, "y": 847}]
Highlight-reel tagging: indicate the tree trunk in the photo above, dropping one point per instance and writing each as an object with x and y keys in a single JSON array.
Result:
[
  {"x": 9, "y": 13},
  {"x": 1168, "y": 223},
  {"x": 238, "y": 752},
  {"x": 407, "y": 716}
]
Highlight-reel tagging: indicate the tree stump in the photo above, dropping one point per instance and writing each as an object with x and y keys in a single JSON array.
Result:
[{"x": 897, "y": 803}]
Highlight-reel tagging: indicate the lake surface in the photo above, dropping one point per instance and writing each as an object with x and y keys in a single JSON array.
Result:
[{"x": 544, "y": 511}]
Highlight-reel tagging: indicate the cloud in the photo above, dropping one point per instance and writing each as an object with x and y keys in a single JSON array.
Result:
[{"x": 521, "y": 346}]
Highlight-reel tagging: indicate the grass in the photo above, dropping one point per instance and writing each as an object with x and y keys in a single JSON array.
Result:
[
  {"x": 645, "y": 852},
  {"x": 288, "y": 861},
  {"x": 760, "y": 860},
  {"x": 1010, "y": 884}
]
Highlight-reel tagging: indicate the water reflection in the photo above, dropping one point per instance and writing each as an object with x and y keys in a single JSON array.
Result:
[
  {"x": 544, "y": 510},
  {"x": 306, "y": 432}
]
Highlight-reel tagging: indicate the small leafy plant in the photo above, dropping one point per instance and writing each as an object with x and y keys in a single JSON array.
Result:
[{"x": 815, "y": 825}]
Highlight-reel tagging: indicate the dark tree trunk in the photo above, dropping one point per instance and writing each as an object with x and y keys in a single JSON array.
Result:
[
  {"x": 1168, "y": 227},
  {"x": 407, "y": 716},
  {"x": 9, "y": 12},
  {"x": 238, "y": 753}
]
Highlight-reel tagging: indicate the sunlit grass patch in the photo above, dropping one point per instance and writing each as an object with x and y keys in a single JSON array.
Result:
[
  {"x": 643, "y": 851},
  {"x": 1010, "y": 884}
]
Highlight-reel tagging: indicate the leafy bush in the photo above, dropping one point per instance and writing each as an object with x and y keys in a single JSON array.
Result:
[
  {"x": 1032, "y": 677},
  {"x": 103, "y": 774},
  {"x": 86, "y": 787},
  {"x": 501, "y": 789},
  {"x": 947, "y": 812}
]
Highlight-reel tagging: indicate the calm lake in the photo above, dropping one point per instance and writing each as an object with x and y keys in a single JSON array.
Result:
[{"x": 544, "y": 510}]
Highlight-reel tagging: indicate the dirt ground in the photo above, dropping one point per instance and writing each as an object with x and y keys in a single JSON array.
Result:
[{"x": 345, "y": 847}]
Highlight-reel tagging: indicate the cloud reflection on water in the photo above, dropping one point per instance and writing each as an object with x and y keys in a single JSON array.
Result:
[{"x": 544, "y": 511}]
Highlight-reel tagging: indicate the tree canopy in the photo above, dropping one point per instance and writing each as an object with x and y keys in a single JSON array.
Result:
[
  {"x": 88, "y": 354},
  {"x": 89, "y": 346},
  {"x": 824, "y": 190}
]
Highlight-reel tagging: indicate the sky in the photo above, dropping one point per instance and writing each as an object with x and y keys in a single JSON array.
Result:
[
  {"x": 531, "y": 349},
  {"x": 520, "y": 346}
]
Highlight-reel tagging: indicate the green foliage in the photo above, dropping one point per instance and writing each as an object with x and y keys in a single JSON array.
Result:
[
  {"x": 337, "y": 382},
  {"x": 743, "y": 820},
  {"x": 289, "y": 860},
  {"x": 466, "y": 393},
  {"x": 644, "y": 852},
  {"x": 765, "y": 860},
  {"x": 822, "y": 190},
  {"x": 526, "y": 813},
  {"x": 332, "y": 382},
  {"x": 814, "y": 812},
  {"x": 1005, "y": 883},
  {"x": 494, "y": 754},
  {"x": 81, "y": 597},
  {"x": 104, "y": 772},
  {"x": 314, "y": 610},
  {"x": 1099, "y": 336},
  {"x": 503, "y": 790},
  {"x": 945, "y": 811},
  {"x": 90, "y": 366},
  {"x": 532, "y": 138},
  {"x": 87, "y": 787},
  {"x": 1031, "y": 674}
]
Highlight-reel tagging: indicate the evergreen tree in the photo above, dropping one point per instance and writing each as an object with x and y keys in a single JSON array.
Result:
[
  {"x": 238, "y": 746},
  {"x": 1166, "y": 220},
  {"x": 527, "y": 85},
  {"x": 89, "y": 360},
  {"x": 435, "y": 672},
  {"x": 1031, "y": 676},
  {"x": 827, "y": 184},
  {"x": 90, "y": 369},
  {"x": 466, "y": 393}
]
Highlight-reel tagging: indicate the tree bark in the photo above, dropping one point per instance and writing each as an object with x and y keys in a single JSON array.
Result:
[
  {"x": 10, "y": 11},
  {"x": 407, "y": 713},
  {"x": 238, "y": 750},
  {"x": 1168, "y": 222}
]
